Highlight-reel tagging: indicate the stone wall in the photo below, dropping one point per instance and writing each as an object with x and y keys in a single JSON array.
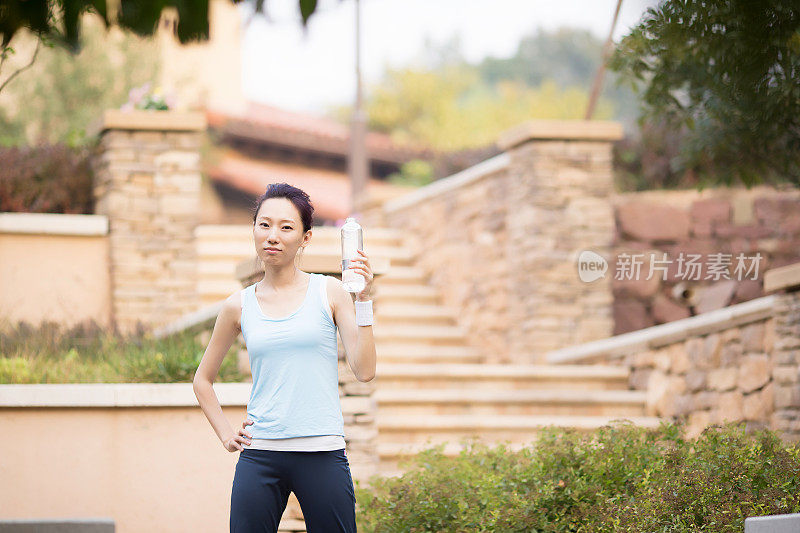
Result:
[
  {"x": 762, "y": 221},
  {"x": 737, "y": 364},
  {"x": 148, "y": 185},
  {"x": 786, "y": 365},
  {"x": 710, "y": 379},
  {"x": 500, "y": 240},
  {"x": 459, "y": 230},
  {"x": 558, "y": 205},
  {"x": 749, "y": 373}
]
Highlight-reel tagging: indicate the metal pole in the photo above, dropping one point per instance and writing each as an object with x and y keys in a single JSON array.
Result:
[
  {"x": 358, "y": 163},
  {"x": 601, "y": 70}
]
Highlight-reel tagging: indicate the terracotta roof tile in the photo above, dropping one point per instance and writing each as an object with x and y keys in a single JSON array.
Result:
[
  {"x": 329, "y": 190},
  {"x": 310, "y": 132}
]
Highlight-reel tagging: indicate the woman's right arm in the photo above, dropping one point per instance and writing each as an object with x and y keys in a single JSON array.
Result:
[{"x": 226, "y": 329}]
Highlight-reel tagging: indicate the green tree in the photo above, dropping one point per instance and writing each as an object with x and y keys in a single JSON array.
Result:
[
  {"x": 59, "y": 22},
  {"x": 569, "y": 57},
  {"x": 63, "y": 93},
  {"x": 729, "y": 72},
  {"x": 138, "y": 16},
  {"x": 454, "y": 109}
]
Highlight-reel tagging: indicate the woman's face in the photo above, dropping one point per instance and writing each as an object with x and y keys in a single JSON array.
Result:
[{"x": 278, "y": 225}]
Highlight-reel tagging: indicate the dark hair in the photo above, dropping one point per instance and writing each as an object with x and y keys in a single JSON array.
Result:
[{"x": 298, "y": 197}]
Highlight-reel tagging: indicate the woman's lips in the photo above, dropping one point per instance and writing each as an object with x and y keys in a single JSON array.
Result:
[{"x": 272, "y": 250}]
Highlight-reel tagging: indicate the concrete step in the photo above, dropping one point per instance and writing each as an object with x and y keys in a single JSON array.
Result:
[
  {"x": 402, "y": 429},
  {"x": 402, "y": 437},
  {"x": 423, "y": 402},
  {"x": 409, "y": 313},
  {"x": 221, "y": 249},
  {"x": 403, "y": 275},
  {"x": 510, "y": 376},
  {"x": 418, "y": 333},
  {"x": 395, "y": 253},
  {"x": 217, "y": 268},
  {"x": 415, "y": 294},
  {"x": 413, "y": 352},
  {"x": 378, "y": 236}
]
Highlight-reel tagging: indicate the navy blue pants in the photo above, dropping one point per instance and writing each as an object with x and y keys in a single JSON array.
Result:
[{"x": 320, "y": 480}]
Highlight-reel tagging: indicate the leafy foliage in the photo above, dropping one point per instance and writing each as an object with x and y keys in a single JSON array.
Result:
[
  {"x": 139, "y": 16},
  {"x": 620, "y": 477},
  {"x": 452, "y": 108},
  {"x": 87, "y": 83},
  {"x": 728, "y": 71},
  {"x": 87, "y": 353}
]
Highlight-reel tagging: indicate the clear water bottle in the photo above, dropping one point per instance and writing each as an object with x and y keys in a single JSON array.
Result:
[{"x": 352, "y": 241}]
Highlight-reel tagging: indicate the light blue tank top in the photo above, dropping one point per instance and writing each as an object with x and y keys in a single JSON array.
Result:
[{"x": 294, "y": 363}]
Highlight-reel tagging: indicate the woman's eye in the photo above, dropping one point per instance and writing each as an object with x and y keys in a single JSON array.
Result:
[{"x": 289, "y": 227}]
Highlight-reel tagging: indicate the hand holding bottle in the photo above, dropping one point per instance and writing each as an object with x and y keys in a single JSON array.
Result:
[{"x": 361, "y": 266}]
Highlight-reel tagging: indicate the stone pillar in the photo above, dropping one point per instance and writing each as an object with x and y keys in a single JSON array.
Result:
[
  {"x": 786, "y": 366},
  {"x": 147, "y": 182},
  {"x": 560, "y": 183}
]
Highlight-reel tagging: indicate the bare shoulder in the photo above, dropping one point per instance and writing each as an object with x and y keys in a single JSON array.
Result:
[
  {"x": 336, "y": 293},
  {"x": 232, "y": 309}
]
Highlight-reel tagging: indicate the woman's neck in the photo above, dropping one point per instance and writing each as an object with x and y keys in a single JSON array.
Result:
[{"x": 283, "y": 279}]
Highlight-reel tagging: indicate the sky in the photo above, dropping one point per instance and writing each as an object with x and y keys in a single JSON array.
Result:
[{"x": 310, "y": 71}]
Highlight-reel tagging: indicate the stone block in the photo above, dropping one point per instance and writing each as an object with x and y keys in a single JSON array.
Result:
[
  {"x": 697, "y": 422},
  {"x": 754, "y": 372},
  {"x": 679, "y": 359},
  {"x": 639, "y": 378},
  {"x": 786, "y": 374},
  {"x": 696, "y": 379},
  {"x": 731, "y": 405},
  {"x": 722, "y": 379},
  {"x": 653, "y": 222},
  {"x": 787, "y": 396},
  {"x": 753, "y": 337},
  {"x": 711, "y": 209},
  {"x": 731, "y": 354},
  {"x": 759, "y": 405},
  {"x": 643, "y": 359},
  {"x": 630, "y": 315},
  {"x": 662, "y": 358},
  {"x": 666, "y": 310},
  {"x": 704, "y": 400}
]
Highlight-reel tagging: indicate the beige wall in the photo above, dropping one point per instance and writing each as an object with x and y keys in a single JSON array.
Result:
[
  {"x": 150, "y": 469},
  {"x": 142, "y": 454},
  {"x": 206, "y": 74},
  {"x": 58, "y": 277}
]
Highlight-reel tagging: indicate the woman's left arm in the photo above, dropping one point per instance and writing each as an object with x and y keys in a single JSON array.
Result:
[{"x": 358, "y": 341}]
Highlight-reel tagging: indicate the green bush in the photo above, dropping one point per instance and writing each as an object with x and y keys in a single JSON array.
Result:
[
  {"x": 86, "y": 353},
  {"x": 620, "y": 477}
]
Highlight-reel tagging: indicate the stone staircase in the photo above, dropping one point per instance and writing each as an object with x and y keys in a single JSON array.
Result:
[{"x": 432, "y": 388}]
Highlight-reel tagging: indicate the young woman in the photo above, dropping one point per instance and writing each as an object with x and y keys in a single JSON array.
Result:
[{"x": 289, "y": 320}]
